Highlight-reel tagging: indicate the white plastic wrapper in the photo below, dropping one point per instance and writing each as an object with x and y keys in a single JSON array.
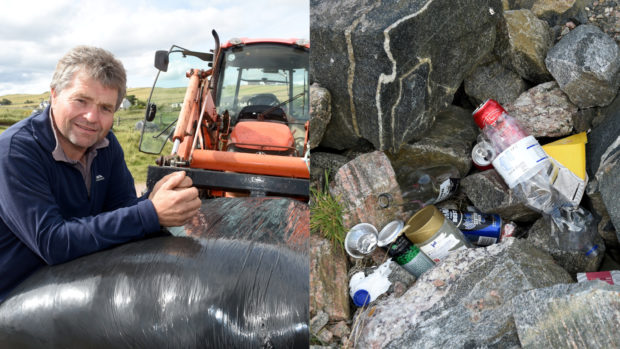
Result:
[{"x": 568, "y": 184}]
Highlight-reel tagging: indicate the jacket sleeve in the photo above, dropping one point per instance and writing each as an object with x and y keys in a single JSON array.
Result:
[
  {"x": 124, "y": 192},
  {"x": 29, "y": 208}
]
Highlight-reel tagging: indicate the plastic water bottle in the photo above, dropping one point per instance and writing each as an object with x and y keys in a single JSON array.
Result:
[
  {"x": 365, "y": 289},
  {"x": 425, "y": 186},
  {"x": 526, "y": 169},
  {"x": 520, "y": 160}
]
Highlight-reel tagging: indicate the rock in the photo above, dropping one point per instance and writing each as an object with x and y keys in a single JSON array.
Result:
[
  {"x": 605, "y": 227},
  {"x": 340, "y": 329},
  {"x": 560, "y": 12},
  {"x": 358, "y": 185},
  {"x": 544, "y": 110},
  {"x": 522, "y": 44},
  {"x": 552, "y": 11},
  {"x": 320, "y": 113},
  {"x": 490, "y": 194},
  {"x": 391, "y": 66},
  {"x": 609, "y": 186},
  {"x": 321, "y": 163},
  {"x": 318, "y": 322},
  {"x": 494, "y": 81},
  {"x": 572, "y": 261},
  {"x": 401, "y": 280},
  {"x": 329, "y": 285},
  {"x": 583, "y": 315},
  {"x": 604, "y": 135},
  {"x": 325, "y": 336},
  {"x": 449, "y": 141},
  {"x": 585, "y": 63},
  {"x": 584, "y": 119},
  {"x": 464, "y": 301},
  {"x": 603, "y": 161}
]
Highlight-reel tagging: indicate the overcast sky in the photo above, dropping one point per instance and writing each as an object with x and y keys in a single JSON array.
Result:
[{"x": 34, "y": 34}]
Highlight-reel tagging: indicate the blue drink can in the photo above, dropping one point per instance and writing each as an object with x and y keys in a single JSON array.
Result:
[{"x": 479, "y": 228}]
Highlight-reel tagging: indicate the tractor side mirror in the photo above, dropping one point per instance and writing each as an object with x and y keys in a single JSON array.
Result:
[
  {"x": 161, "y": 60},
  {"x": 151, "y": 110}
]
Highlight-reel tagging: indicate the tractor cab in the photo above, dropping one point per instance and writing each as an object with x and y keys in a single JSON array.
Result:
[
  {"x": 248, "y": 98},
  {"x": 264, "y": 87},
  {"x": 254, "y": 82}
]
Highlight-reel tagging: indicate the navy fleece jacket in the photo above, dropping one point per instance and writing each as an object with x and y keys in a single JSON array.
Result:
[{"x": 46, "y": 215}]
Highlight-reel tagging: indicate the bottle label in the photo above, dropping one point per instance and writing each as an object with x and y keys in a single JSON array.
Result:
[
  {"x": 447, "y": 188},
  {"x": 414, "y": 262},
  {"x": 516, "y": 163},
  {"x": 455, "y": 216},
  {"x": 439, "y": 248}
]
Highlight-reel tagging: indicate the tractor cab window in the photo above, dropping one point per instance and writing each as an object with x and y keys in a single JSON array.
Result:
[{"x": 264, "y": 76}]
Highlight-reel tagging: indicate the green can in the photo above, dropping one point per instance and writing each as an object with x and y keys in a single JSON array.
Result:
[{"x": 403, "y": 251}]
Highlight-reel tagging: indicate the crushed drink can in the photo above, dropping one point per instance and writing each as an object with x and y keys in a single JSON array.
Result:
[
  {"x": 479, "y": 228},
  {"x": 403, "y": 251}
]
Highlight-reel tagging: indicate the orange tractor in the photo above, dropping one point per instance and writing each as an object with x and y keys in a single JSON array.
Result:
[{"x": 237, "y": 117}]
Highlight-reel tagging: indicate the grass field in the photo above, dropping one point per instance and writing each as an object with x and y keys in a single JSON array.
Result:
[{"x": 124, "y": 131}]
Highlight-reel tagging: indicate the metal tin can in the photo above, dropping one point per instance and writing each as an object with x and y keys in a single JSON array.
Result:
[
  {"x": 482, "y": 155},
  {"x": 361, "y": 240},
  {"x": 434, "y": 234},
  {"x": 403, "y": 251},
  {"x": 479, "y": 228}
]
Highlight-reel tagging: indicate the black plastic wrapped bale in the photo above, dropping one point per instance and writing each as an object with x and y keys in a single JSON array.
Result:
[
  {"x": 276, "y": 221},
  {"x": 170, "y": 292}
]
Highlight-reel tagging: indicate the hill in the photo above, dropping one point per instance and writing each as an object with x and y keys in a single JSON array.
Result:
[
  {"x": 22, "y": 106},
  {"x": 33, "y": 100}
]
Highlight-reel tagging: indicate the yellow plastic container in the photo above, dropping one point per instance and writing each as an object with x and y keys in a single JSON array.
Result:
[{"x": 570, "y": 152}]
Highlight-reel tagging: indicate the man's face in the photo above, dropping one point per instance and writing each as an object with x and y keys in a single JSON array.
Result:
[{"x": 83, "y": 113}]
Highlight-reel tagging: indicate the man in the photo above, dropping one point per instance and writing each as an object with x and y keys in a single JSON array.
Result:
[{"x": 64, "y": 186}]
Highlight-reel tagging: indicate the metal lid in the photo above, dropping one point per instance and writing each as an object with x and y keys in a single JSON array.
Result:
[
  {"x": 390, "y": 232},
  {"x": 423, "y": 224},
  {"x": 487, "y": 113}
]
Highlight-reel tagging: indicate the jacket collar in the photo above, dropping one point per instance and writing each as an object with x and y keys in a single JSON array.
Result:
[{"x": 41, "y": 128}]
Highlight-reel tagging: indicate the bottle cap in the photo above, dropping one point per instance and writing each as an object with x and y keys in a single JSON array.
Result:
[
  {"x": 390, "y": 232},
  {"x": 424, "y": 224},
  {"x": 361, "y": 298},
  {"x": 487, "y": 113}
]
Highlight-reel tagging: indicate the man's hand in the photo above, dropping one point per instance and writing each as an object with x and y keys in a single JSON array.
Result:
[
  {"x": 175, "y": 200},
  {"x": 185, "y": 183}
]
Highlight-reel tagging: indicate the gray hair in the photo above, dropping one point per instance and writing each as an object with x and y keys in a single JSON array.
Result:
[{"x": 97, "y": 63}]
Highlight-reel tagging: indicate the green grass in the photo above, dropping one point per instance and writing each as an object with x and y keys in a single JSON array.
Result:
[
  {"x": 9, "y": 116},
  {"x": 326, "y": 215},
  {"x": 129, "y": 138},
  {"x": 19, "y": 100}
]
